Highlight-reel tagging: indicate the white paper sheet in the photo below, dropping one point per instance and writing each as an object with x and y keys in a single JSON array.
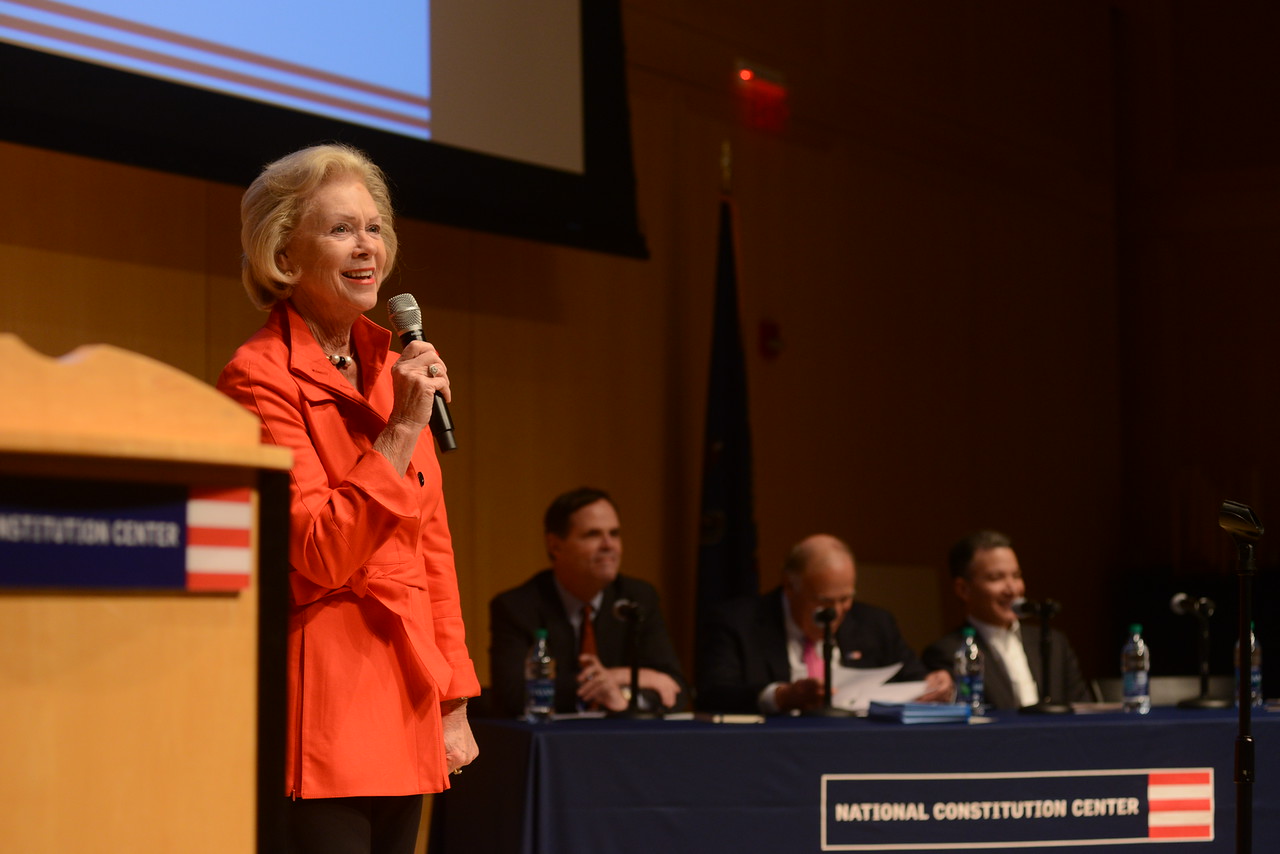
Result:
[{"x": 856, "y": 687}]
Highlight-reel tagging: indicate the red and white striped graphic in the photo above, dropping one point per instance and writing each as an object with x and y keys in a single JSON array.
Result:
[
  {"x": 219, "y": 538},
  {"x": 1180, "y": 804}
]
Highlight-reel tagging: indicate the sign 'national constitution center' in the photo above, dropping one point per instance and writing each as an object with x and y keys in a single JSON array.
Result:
[{"x": 1104, "y": 807}]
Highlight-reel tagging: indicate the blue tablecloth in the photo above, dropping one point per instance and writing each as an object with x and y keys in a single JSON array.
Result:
[{"x": 1076, "y": 783}]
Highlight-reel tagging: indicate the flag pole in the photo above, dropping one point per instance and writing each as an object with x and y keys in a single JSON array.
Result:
[
  {"x": 727, "y": 567},
  {"x": 726, "y": 167}
]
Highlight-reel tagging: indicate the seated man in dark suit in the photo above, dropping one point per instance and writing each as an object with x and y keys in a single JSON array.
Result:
[
  {"x": 763, "y": 653},
  {"x": 987, "y": 578},
  {"x": 574, "y": 601}
]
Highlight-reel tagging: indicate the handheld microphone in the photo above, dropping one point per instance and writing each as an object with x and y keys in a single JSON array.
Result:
[
  {"x": 626, "y": 610},
  {"x": 824, "y": 616},
  {"x": 406, "y": 319},
  {"x": 1181, "y": 603}
]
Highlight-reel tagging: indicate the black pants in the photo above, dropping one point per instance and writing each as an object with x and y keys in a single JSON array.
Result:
[{"x": 384, "y": 825}]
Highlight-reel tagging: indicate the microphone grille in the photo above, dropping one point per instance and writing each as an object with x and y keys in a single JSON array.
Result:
[{"x": 404, "y": 312}]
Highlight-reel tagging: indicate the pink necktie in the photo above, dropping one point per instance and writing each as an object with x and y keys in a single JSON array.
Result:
[{"x": 812, "y": 660}]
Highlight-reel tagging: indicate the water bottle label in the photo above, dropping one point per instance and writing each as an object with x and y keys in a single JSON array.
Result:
[
  {"x": 542, "y": 695},
  {"x": 969, "y": 689},
  {"x": 1135, "y": 683}
]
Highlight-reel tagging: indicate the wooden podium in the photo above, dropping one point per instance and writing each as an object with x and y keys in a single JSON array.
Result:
[{"x": 142, "y": 644}]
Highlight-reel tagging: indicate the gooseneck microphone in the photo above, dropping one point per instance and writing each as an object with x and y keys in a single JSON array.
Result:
[
  {"x": 1044, "y": 610},
  {"x": 825, "y": 617},
  {"x": 1025, "y": 609},
  {"x": 406, "y": 319},
  {"x": 1200, "y": 606},
  {"x": 630, "y": 612},
  {"x": 627, "y": 610}
]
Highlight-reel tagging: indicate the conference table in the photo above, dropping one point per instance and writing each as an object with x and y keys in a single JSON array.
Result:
[{"x": 1072, "y": 783}]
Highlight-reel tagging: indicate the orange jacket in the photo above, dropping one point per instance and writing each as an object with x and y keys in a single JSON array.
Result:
[{"x": 376, "y": 639}]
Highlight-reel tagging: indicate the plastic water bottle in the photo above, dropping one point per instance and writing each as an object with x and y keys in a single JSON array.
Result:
[
  {"x": 968, "y": 672},
  {"x": 539, "y": 681},
  {"x": 1255, "y": 669},
  {"x": 1135, "y": 668}
]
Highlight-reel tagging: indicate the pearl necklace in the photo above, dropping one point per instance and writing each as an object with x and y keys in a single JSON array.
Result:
[{"x": 341, "y": 362}]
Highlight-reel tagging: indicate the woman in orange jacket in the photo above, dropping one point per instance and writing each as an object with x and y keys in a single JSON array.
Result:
[{"x": 379, "y": 670}]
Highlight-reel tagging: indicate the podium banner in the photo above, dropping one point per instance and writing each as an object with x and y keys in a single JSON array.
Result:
[{"x": 98, "y": 535}]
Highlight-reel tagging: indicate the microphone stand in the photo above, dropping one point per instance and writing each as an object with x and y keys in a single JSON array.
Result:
[
  {"x": 1203, "y": 701},
  {"x": 1245, "y": 528},
  {"x": 826, "y": 616},
  {"x": 633, "y": 711},
  {"x": 1046, "y": 706}
]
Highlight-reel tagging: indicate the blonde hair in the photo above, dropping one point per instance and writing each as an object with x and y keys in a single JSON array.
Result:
[{"x": 274, "y": 203}]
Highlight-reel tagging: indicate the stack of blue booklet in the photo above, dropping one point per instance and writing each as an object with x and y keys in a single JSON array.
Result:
[{"x": 919, "y": 713}]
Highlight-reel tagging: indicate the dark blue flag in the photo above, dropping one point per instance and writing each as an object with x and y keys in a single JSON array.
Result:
[{"x": 727, "y": 552}]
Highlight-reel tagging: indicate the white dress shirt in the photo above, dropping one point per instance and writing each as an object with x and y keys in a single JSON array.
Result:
[
  {"x": 795, "y": 659},
  {"x": 1007, "y": 646}
]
